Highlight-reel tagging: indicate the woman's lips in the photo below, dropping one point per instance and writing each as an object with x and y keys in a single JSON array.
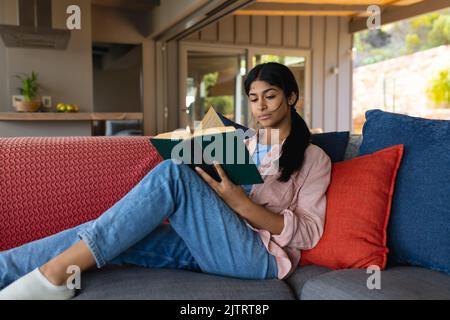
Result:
[{"x": 264, "y": 117}]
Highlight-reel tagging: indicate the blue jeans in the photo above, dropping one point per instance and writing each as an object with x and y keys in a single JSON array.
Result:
[{"x": 204, "y": 234}]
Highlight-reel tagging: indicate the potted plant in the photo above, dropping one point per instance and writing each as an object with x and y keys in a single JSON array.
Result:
[{"x": 31, "y": 102}]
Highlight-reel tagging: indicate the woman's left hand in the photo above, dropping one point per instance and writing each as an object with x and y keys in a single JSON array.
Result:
[{"x": 234, "y": 195}]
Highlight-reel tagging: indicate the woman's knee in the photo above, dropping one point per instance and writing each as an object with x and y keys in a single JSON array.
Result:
[
  {"x": 173, "y": 168},
  {"x": 169, "y": 165},
  {"x": 166, "y": 168}
]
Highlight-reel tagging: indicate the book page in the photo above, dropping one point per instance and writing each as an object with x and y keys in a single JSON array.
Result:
[
  {"x": 210, "y": 131},
  {"x": 210, "y": 120},
  {"x": 183, "y": 135},
  {"x": 210, "y": 124}
]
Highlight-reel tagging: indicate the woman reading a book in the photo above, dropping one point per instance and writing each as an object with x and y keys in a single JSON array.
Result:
[{"x": 250, "y": 232}]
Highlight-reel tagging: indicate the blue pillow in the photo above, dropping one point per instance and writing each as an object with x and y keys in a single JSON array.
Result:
[
  {"x": 333, "y": 143},
  {"x": 419, "y": 226}
]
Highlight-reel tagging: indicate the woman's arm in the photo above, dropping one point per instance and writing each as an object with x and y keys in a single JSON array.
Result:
[
  {"x": 235, "y": 196},
  {"x": 303, "y": 227},
  {"x": 260, "y": 217}
]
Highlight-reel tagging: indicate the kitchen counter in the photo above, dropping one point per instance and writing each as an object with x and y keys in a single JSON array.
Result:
[
  {"x": 78, "y": 116},
  {"x": 44, "y": 124}
]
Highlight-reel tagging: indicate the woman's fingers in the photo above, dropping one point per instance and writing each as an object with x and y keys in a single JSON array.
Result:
[
  {"x": 220, "y": 171},
  {"x": 213, "y": 183}
]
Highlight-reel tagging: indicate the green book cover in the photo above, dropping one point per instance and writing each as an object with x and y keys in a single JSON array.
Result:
[{"x": 230, "y": 151}]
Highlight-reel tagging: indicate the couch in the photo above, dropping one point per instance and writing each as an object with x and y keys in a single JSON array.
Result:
[{"x": 306, "y": 283}]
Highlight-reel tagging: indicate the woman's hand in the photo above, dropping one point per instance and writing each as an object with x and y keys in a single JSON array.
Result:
[{"x": 234, "y": 195}]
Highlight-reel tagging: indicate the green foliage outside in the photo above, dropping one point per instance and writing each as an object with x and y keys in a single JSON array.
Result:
[
  {"x": 222, "y": 104},
  {"x": 403, "y": 38},
  {"x": 439, "y": 89},
  {"x": 258, "y": 59}
]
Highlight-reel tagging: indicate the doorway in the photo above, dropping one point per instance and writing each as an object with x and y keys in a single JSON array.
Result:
[
  {"x": 117, "y": 78},
  {"x": 212, "y": 77}
]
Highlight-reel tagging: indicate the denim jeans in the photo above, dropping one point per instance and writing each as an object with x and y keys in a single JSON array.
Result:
[{"x": 204, "y": 233}]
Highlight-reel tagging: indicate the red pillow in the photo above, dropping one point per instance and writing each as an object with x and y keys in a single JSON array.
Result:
[{"x": 358, "y": 205}]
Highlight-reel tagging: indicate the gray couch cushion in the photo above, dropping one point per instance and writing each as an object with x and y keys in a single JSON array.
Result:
[
  {"x": 396, "y": 283},
  {"x": 129, "y": 282},
  {"x": 297, "y": 280}
]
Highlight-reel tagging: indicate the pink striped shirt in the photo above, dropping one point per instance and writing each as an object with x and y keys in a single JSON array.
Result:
[{"x": 301, "y": 201}]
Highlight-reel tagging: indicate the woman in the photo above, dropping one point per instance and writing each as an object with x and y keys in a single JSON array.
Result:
[{"x": 251, "y": 232}]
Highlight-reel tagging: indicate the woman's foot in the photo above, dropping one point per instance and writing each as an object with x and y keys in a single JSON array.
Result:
[{"x": 35, "y": 286}]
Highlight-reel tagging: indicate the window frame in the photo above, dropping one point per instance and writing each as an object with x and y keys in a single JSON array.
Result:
[{"x": 249, "y": 51}]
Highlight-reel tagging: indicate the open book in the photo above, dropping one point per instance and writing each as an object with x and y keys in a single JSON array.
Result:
[{"x": 210, "y": 141}]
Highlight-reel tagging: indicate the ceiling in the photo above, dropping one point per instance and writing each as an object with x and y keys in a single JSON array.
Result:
[
  {"x": 137, "y": 5},
  {"x": 319, "y": 7}
]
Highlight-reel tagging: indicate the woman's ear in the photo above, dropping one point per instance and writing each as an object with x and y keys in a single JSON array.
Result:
[{"x": 292, "y": 99}]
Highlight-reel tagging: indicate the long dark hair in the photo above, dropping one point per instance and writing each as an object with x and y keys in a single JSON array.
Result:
[{"x": 293, "y": 149}]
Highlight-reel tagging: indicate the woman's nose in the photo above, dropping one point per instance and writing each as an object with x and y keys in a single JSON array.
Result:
[{"x": 261, "y": 105}]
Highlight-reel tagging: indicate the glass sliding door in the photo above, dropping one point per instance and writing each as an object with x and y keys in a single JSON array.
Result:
[
  {"x": 212, "y": 77},
  {"x": 298, "y": 62}
]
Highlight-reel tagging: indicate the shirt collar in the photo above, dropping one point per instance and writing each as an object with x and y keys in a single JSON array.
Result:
[{"x": 274, "y": 152}]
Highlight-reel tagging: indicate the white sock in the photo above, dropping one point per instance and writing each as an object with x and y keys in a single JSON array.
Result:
[{"x": 35, "y": 286}]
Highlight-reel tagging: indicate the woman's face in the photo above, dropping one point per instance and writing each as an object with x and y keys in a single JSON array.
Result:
[{"x": 268, "y": 104}]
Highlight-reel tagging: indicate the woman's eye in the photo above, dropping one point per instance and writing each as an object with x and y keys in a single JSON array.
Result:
[
  {"x": 271, "y": 97},
  {"x": 253, "y": 101}
]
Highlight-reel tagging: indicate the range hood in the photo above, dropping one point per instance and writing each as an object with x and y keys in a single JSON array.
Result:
[{"x": 35, "y": 28}]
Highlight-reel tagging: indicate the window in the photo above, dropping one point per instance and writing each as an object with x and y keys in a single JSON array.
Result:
[
  {"x": 298, "y": 62},
  {"x": 214, "y": 76},
  {"x": 296, "y": 65},
  {"x": 403, "y": 68}
]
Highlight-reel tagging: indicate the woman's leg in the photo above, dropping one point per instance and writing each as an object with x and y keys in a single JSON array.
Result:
[
  {"x": 204, "y": 233},
  {"x": 127, "y": 222},
  {"x": 219, "y": 241},
  {"x": 16, "y": 262},
  {"x": 132, "y": 215},
  {"x": 217, "y": 238},
  {"x": 162, "y": 248}
]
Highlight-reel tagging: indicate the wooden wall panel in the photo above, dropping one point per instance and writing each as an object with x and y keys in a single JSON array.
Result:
[
  {"x": 330, "y": 79},
  {"x": 290, "y": 32},
  {"x": 304, "y": 32},
  {"x": 243, "y": 30},
  {"x": 345, "y": 90},
  {"x": 328, "y": 40},
  {"x": 227, "y": 30},
  {"x": 258, "y": 30},
  {"x": 274, "y": 30},
  {"x": 209, "y": 33},
  {"x": 318, "y": 61}
]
